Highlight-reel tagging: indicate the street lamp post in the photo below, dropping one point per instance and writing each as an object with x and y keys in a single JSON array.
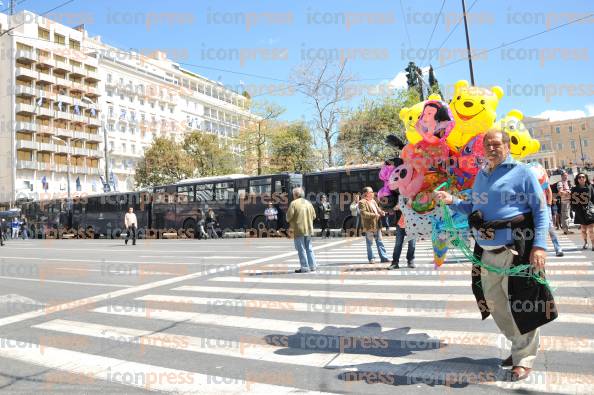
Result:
[{"x": 68, "y": 157}]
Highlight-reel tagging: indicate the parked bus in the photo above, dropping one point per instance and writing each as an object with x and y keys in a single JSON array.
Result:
[
  {"x": 238, "y": 202},
  {"x": 339, "y": 185}
]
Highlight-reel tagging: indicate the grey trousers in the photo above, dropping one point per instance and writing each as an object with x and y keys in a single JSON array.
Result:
[
  {"x": 524, "y": 347},
  {"x": 565, "y": 207}
]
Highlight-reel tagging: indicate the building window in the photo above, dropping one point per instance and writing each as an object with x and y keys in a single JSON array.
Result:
[
  {"x": 43, "y": 34},
  {"x": 558, "y": 130},
  {"x": 583, "y": 126},
  {"x": 570, "y": 128},
  {"x": 59, "y": 39},
  {"x": 110, "y": 93},
  {"x": 124, "y": 147},
  {"x": 572, "y": 143},
  {"x": 585, "y": 142},
  {"x": 559, "y": 146},
  {"x": 109, "y": 77},
  {"x": 133, "y": 148},
  {"x": 123, "y": 128},
  {"x": 74, "y": 44}
]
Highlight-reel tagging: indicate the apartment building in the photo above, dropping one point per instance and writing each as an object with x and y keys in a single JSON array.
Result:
[
  {"x": 72, "y": 97},
  {"x": 49, "y": 110},
  {"x": 567, "y": 143}
]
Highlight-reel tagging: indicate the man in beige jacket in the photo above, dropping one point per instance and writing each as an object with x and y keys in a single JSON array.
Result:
[
  {"x": 300, "y": 216},
  {"x": 370, "y": 217}
]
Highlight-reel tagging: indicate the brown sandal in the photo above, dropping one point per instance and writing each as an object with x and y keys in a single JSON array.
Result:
[{"x": 519, "y": 373}]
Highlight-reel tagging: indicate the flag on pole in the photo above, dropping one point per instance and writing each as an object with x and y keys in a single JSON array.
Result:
[
  {"x": 60, "y": 106},
  {"x": 77, "y": 110}
]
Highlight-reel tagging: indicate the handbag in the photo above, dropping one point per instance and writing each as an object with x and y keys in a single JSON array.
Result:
[{"x": 589, "y": 212}]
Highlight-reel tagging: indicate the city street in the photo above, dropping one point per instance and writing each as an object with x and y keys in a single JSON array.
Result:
[{"x": 231, "y": 316}]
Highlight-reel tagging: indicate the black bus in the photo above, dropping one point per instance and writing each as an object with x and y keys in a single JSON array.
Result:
[
  {"x": 238, "y": 201},
  {"x": 339, "y": 185}
]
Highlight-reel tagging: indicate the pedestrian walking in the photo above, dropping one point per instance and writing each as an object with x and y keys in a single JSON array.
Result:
[
  {"x": 2, "y": 232},
  {"x": 370, "y": 218},
  {"x": 555, "y": 206},
  {"x": 509, "y": 224},
  {"x": 356, "y": 214},
  {"x": 412, "y": 243},
  {"x": 15, "y": 225},
  {"x": 325, "y": 209},
  {"x": 582, "y": 198},
  {"x": 271, "y": 215},
  {"x": 211, "y": 223},
  {"x": 300, "y": 217},
  {"x": 24, "y": 228},
  {"x": 552, "y": 234},
  {"x": 564, "y": 188},
  {"x": 131, "y": 223},
  {"x": 200, "y": 224}
]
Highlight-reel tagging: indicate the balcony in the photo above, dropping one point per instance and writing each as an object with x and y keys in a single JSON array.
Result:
[
  {"x": 26, "y": 164},
  {"x": 64, "y": 99},
  {"x": 63, "y": 115},
  {"x": 45, "y": 129},
  {"x": 59, "y": 65},
  {"x": 26, "y": 144},
  {"x": 95, "y": 153},
  {"x": 45, "y": 166},
  {"x": 80, "y": 151},
  {"x": 24, "y": 91},
  {"x": 22, "y": 108},
  {"x": 78, "y": 118},
  {"x": 61, "y": 132},
  {"x": 45, "y": 94},
  {"x": 43, "y": 112},
  {"x": 79, "y": 135},
  {"x": 46, "y": 78},
  {"x": 94, "y": 171},
  {"x": 77, "y": 87},
  {"x": 26, "y": 56},
  {"x": 92, "y": 75},
  {"x": 78, "y": 71},
  {"x": 46, "y": 61},
  {"x": 60, "y": 81},
  {"x": 21, "y": 126},
  {"x": 94, "y": 121},
  {"x": 61, "y": 168},
  {"x": 23, "y": 73},
  {"x": 95, "y": 137},
  {"x": 93, "y": 92},
  {"x": 46, "y": 147}
]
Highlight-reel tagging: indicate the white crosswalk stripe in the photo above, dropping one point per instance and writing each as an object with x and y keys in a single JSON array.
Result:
[{"x": 340, "y": 326}]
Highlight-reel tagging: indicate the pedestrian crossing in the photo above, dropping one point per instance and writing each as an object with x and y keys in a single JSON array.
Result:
[{"x": 349, "y": 327}]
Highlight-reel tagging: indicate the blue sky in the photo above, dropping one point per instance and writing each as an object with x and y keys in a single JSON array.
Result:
[{"x": 550, "y": 72}]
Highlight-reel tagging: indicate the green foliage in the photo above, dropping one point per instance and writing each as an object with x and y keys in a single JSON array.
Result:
[
  {"x": 163, "y": 162},
  {"x": 362, "y": 134},
  {"x": 291, "y": 149},
  {"x": 209, "y": 155}
]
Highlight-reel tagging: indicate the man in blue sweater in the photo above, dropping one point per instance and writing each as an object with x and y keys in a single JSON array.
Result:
[{"x": 509, "y": 219}]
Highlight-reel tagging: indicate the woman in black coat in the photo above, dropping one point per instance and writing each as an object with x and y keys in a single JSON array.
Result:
[{"x": 582, "y": 194}]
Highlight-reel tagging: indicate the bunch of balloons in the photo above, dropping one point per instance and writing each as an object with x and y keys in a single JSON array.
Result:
[{"x": 445, "y": 149}]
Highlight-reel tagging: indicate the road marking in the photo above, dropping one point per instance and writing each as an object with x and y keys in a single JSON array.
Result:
[
  {"x": 142, "y": 287},
  {"x": 391, "y": 283},
  {"x": 118, "y": 370},
  {"x": 116, "y": 273},
  {"x": 482, "y": 339},
  {"x": 355, "y": 308},
  {"x": 409, "y": 297},
  {"x": 43, "y": 280}
]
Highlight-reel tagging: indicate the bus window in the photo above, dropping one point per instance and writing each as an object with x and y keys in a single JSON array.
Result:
[
  {"x": 278, "y": 186},
  {"x": 186, "y": 193},
  {"x": 204, "y": 193},
  {"x": 262, "y": 185},
  {"x": 224, "y": 191}
]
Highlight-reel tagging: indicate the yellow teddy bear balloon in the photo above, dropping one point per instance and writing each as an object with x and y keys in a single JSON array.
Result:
[
  {"x": 474, "y": 111},
  {"x": 521, "y": 143},
  {"x": 410, "y": 116}
]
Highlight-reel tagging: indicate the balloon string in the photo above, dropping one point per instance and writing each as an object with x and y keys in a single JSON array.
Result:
[{"x": 458, "y": 242}]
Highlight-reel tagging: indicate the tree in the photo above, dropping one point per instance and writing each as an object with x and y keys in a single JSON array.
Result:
[
  {"x": 291, "y": 149},
  {"x": 414, "y": 78},
  {"x": 163, "y": 162},
  {"x": 433, "y": 83},
  {"x": 255, "y": 138},
  {"x": 325, "y": 84},
  {"x": 209, "y": 155},
  {"x": 363, "y": 133}
]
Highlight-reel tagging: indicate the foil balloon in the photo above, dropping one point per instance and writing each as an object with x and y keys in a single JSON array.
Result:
[
  {"x": 541, "y": 174},
  {"x": 474, "y": 110},
  {"x": 406, "y": 180},
  {"x": 410, "y": 115},
  {"x": 521, "y": 143}
]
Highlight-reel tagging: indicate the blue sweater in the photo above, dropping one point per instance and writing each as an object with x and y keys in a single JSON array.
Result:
[{"x": 509, "y": 190}]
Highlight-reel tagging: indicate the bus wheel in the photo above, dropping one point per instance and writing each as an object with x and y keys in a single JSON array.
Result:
[
  {"x": 259, "y": 225},
  {"x": 190, "y": 228}
]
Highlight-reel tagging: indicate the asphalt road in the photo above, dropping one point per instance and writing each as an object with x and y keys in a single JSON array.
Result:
[{"x": 230, "y": 316}]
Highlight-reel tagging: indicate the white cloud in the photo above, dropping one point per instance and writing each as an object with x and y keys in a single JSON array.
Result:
[
  {"x": 399, "y": 81},
  {"x": 559, "y": 115}
]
